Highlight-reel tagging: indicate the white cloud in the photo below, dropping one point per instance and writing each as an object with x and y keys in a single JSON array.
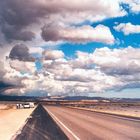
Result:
[
  {"x": 35, "y": 50},
  {"x": 136, "y": 8},
  {"x": 118, "y": 61},
  {"x": 41, "y": 12},
  {"x": 133, "y": 4},
  {"x": 81, "y": 34},
  {"x": 22, "y": 66},
  {"x": 52, "y": 54},
  {"x": 128, "y": 28},
  {"x": 87, "y": 10},
  {"x": 104, "y": 69}
]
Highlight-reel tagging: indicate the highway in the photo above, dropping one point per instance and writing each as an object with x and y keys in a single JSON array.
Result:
[{"x": 86, "y": 125}]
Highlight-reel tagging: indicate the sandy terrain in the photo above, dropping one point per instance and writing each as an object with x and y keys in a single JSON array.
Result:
[
  {"x": 11, "y": 119},
  {"x": 133, "y": 111},
  {"x": 120, "y": 109}
]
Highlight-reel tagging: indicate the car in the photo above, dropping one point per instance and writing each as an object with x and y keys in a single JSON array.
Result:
[{"x": 26, "y": 105}]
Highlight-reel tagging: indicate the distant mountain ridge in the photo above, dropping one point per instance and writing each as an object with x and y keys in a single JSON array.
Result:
[
  {"x": 71, "y": 98},
  {"x": 99, "y": 98}
]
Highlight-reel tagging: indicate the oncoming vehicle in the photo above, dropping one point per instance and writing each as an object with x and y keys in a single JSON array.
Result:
[{"x": 25, "y": 105}]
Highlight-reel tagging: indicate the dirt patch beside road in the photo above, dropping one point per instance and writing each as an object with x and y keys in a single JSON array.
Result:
[{"x": 11, "y": 120}]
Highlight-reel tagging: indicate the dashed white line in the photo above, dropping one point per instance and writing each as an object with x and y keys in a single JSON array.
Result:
[{"x": 77, "y": 138}]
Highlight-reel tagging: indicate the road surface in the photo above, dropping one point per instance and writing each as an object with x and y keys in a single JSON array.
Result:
[{"x": 87, "y": 125}]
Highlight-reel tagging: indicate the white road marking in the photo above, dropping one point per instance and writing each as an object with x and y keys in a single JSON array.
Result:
[{"x": 77, "y": 138}]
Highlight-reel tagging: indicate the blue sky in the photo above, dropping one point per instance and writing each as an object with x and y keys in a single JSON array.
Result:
[
  {"x": 127, "y": 93},
  {"x": 124, "y": 41}
]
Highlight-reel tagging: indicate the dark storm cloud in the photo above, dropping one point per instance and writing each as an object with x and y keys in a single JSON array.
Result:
[
  {"x": 15, "y": 33},
  {"x": 49, "y": 33},
  {"x": 21, "y": 52},
  {"x": 22, "y": 12},
  {"x": 4, "y": 85},
  {"x": 15, "y": 16}
]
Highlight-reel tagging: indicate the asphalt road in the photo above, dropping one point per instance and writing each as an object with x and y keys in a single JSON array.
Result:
[
  {"x": 87, "y": 125},
  {"x": 40, "y": 126}
]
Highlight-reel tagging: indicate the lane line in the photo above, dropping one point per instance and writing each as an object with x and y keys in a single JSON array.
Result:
[{"x": 77, "y": 138}]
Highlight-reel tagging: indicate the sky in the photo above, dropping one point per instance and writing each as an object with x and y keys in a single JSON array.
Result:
[{"x": 77, "y": 47}]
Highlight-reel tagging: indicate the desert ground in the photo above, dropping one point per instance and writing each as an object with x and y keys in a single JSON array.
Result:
[
  {"x": 125, "y": 109},
  {"x": 11, "y": 120}
]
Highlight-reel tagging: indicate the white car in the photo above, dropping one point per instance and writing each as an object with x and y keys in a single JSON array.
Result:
[{"x": 26, "y": 105}]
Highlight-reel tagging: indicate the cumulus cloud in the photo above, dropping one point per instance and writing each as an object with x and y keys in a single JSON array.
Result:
[
  {"x": 8, "y": 77},
  {"x": 18, "y": 18},
  {"x": 2, "y": 62},
  {"x": 15, "y": 72},
  {"x": 16, "y": 67},
  {"x": 128, "y": 28},
  {"x": 134, "y": 5},
  {"x": 23, "y": 22},
  {"x": 22, "y": 66},
  {"x": 2, "y": 71},
  {"x": 100, "y": 71},
  {"x": 52, "y": 54},
  {"x": 112, "y": 61},
  {"x": 15, "y": 33},
  {"x": 81, "y": 34},
  {"x": 20, "y": 52}
]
